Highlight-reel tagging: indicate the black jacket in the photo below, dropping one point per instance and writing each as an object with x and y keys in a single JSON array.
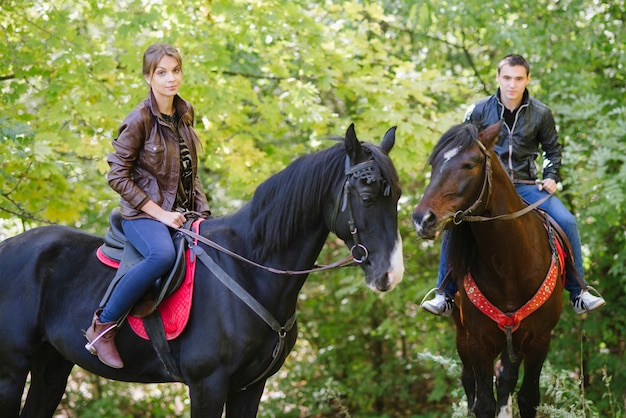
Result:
[{"x": 518, "y": 145}]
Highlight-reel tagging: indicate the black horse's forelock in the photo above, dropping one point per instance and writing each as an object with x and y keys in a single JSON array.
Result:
[
  {"x": 291, "y": 199},
  {"x": 387, "y": 169},
  {"x": 462, "y": 136}
]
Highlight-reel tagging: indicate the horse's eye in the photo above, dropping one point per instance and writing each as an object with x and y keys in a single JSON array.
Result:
[
  {"x": 468, "y": 166},
  {"x": 367, "y": 199}
]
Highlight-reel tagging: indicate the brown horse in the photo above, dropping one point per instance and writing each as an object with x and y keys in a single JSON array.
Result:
[{"x": 497, "y": 240}]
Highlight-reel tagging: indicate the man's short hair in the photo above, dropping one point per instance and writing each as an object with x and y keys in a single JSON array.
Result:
[{"x": 513, "y": 60}]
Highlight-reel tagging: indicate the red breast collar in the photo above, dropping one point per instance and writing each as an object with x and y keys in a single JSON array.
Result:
[{"x": 512, "y": 320}]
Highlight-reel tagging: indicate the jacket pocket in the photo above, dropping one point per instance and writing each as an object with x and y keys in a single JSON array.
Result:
[{"x": 154, "y": 154}]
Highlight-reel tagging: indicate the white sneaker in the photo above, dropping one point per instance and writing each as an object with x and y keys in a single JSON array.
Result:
[
  {"x": 586, "y": 302},
  {"x": 441, "y": 304}
]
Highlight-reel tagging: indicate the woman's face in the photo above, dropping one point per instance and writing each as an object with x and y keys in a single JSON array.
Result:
[{"x": 166, "y": 78}]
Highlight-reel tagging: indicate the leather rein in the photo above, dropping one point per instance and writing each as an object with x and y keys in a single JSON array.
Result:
[
  {"x": 366, "y": 170},
  {"x": 485, "y": 195}
]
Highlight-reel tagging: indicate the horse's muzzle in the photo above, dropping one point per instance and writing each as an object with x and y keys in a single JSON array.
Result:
[
  {"x": 426, "y": 224},
  {"x": 382, "y": 284}
]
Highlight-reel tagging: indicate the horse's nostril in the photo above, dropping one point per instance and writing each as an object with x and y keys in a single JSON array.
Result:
[
  {"x": 430, "y": 219},
  {"x": 384, "y": 283},
  {"x": 424, "y": 220}
]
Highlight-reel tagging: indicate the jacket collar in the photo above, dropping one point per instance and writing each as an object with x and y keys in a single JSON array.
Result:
[
  {"x": 179, "y": 104},
  {"x": 525, "y": 98}
]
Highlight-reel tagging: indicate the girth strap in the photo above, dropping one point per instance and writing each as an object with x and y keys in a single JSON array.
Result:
[
  {"x": 253, "y": 304},
  {"x": 153, "y": 324}
]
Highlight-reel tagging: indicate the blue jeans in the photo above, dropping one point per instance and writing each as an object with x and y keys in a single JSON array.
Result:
[
  {"x": 555, "y": 208},
  {"x": 153, "y": 240}
]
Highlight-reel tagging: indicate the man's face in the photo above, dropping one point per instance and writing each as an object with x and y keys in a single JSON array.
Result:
[{"x": 512, "y": 82}]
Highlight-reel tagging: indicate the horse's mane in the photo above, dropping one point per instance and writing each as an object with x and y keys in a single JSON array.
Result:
[
  {"x": 290, "y": 200},
  {"x": 461, "y": 243}
]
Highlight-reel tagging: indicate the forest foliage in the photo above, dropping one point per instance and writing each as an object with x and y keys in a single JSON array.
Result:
[{"x": 269, "y": 81}]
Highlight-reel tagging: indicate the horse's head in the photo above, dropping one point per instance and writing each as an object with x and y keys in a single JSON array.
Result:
[
  {"x": 365, "y": 213},
  {"x": 459, "y": 182}
]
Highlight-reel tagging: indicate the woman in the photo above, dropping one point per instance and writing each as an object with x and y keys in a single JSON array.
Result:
[{"x": 154, "y": 169}]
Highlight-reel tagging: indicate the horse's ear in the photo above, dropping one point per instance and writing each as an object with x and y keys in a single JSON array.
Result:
[
  {"x": 389, "y": 140},
  {"x": 489, "y": 136},
  {"x": 352, "y": 144}
]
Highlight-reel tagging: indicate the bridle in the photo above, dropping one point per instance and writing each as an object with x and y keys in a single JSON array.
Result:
[
  {"x": 369, "y": 172},
  {"x": 485, "y": 195},
  {"x": 366, "y": 170}
]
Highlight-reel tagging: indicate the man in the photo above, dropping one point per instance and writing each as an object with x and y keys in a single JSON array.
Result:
[{"x": 527, "y": 125}]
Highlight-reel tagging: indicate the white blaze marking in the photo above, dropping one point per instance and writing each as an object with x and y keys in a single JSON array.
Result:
[
  {"x": 396, "y": 271},
  {"x": 448, "y": 155}
]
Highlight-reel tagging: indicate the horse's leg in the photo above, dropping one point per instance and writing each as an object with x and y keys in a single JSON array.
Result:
[
  {"x": 12, "y": 381},
  {"x": 507, "y": 372},
  {"x": 480, "y": 357},
  {"x": 528, "y": 396},
  {"x": 48, "y": 378},
  {"x": 207, "y": 397},
  {"x": 485, "y": 405},
  {"x": 468, "y": 379},
  {"x": 245, "y": 404}
]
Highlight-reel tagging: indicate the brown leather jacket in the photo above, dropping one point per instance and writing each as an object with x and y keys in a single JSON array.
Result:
[{"x": 146, "y": 162}]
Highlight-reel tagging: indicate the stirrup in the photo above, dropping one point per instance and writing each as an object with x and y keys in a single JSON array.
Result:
[
  {"x": 595, "y": 292},
  {"x": 89, "y": 346},
  {"x": 434, "y": 289}
]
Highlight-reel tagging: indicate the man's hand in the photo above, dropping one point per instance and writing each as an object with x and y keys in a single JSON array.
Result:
[{"x": 549, "y": 185}]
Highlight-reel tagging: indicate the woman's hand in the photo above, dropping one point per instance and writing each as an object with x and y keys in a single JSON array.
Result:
[{"x": 172, "y": 219}]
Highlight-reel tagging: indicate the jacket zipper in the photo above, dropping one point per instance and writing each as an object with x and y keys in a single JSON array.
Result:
[{"x": 510, "y": 135}]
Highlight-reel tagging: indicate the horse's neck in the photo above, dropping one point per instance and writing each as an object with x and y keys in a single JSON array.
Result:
[
  {"x": 505, "y": 245},
  {"x": 280, "y": 290},
  {"x": 504, "y": 198}
]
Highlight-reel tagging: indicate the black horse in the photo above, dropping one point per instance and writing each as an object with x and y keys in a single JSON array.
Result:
[{"x": 51, "y": 282}]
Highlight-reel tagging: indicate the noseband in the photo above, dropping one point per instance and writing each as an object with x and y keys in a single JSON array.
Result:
[{"x": 369, "y": 172}]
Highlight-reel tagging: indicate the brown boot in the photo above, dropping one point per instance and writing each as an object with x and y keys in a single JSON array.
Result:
[{"x": 101, "y": 337}]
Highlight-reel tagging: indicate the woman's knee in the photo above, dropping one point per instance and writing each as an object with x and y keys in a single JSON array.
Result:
[{"x": 161, "y": 257}]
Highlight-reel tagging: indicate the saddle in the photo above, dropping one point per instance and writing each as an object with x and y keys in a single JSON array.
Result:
[
  {"x": 561, "y": 236},
  {"x": 118, "y": 252}
]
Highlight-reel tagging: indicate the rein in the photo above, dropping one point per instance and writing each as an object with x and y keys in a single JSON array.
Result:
[
  {"x": 367, "y": 171},
  {"x": 465, "y": 215},
  {"x": 339, "y": 263}
]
